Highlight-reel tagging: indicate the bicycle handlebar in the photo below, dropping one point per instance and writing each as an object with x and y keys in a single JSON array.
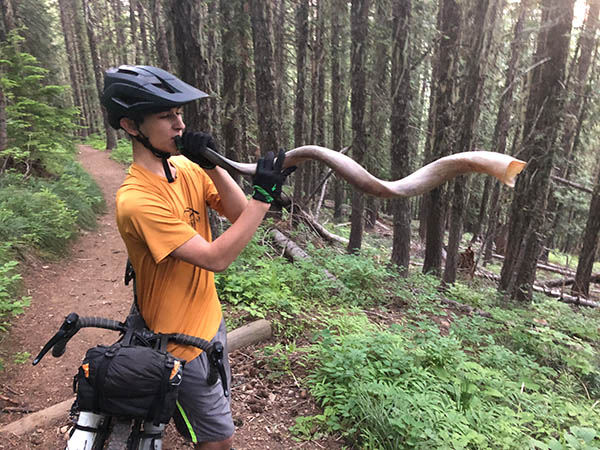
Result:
[{"x": 73, "y": 323}]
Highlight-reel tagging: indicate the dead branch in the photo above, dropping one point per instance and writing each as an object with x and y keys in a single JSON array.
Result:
[{"x": 572, "y": 184}]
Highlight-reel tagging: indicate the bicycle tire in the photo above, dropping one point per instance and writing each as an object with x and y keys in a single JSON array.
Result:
[{"x": 119, "y": 435}]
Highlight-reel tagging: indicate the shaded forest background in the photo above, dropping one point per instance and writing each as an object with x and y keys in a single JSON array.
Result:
[{"x": 402, "y": 82}]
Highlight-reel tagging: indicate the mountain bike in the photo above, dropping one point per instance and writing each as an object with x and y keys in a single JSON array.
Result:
[{"x": 95, "y": 430}]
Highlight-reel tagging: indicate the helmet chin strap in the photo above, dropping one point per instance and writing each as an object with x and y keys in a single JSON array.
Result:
[{"x": 164, "y": 156}]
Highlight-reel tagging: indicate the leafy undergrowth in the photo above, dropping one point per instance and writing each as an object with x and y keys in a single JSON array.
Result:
[{"x": 526, "y": 378}]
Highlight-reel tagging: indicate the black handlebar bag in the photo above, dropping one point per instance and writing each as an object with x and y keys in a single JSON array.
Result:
[{"x": 130, "y": 379}]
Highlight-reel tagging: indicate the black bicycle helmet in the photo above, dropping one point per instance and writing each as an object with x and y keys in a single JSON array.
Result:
[{"x": 135, "y": 91}]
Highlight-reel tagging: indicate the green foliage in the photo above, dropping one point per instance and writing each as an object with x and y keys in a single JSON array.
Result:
[
  {"x": 409, "y": 387},
  {"x": 39, "y": 127},
  {"x": 21, "y": 357}
]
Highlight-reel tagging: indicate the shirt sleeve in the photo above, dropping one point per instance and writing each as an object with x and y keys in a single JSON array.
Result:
[{"x": 150, "y": 221}]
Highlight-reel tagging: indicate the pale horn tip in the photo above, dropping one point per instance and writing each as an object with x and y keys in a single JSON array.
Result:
[{"x": 514, "y": 168}]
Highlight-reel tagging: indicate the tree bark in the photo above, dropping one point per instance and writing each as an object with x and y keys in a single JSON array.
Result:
[
  {"x": 192, "y": 63},
  {"x": 120, "y": 31},
  {"x": 162, "y": 45},
  {"x": 135, "y": 44},
  {"x": 66, "y": 19},
  {"x": 339, "y": 11},
  {"x": 471, "y": 95},
  {"x": 528, "y": 224},
  {"x": 146, "y": 59},
  {"x": 402, "y": 137},
  {"x": 233, "y": 29},
  {"x": 589, "y": 246},
  {"x": 443, "y": 136},
  {"x": 111, "y": 136},
  {"x": 262, "y": 37},
  {"x": 502, "y": 127},
  {"x": 301, "y": 23},
  {"x": 379, "y": 104},
  {"x": 359, "y": 30}
]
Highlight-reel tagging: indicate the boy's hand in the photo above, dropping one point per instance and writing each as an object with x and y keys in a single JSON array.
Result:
[
  {"x": 193, "y": 147},
  {"x": 269, "y": 177}
]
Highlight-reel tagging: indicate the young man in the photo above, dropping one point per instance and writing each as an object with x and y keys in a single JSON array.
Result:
[{"x": 161, "y": 215}]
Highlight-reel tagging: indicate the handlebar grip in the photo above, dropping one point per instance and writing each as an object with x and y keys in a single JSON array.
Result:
[
  {"x": 100, "y": 322},
  {"x": 184, "y": 339}
]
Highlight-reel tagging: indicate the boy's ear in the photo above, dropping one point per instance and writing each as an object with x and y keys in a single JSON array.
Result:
[{"x": 129, "y": 126}]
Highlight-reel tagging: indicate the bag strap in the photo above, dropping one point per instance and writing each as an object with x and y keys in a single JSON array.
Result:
[
  {"x": 101, "y": 375},
  {"x": 155, "y": 409}
]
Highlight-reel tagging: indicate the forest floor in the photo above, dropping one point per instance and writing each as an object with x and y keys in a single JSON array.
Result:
[{"x": 89, "y": 280}]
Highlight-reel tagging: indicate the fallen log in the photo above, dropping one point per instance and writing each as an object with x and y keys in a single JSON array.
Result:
[
  {"x": 321, "y": 230},
  {"x": 546, "y": 267},
  {"x": 595, "y": 278},
  {"x": 292, "y": 251},
  {"x": 248, "y": 334}
]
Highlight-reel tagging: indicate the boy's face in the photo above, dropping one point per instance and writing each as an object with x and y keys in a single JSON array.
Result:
[{"x": 161, "y": 128}]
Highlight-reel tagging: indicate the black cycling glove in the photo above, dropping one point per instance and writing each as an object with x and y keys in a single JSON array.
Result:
[
  {"x": 269, "y": 177},
  {"x": 193, "y": 147}
]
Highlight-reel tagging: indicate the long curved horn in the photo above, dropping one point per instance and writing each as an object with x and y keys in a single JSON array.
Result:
[{"x": 503, "y": 167}]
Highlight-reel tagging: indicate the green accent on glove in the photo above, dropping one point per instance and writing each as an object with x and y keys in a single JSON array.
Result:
[{"x": 262, "y": 195}]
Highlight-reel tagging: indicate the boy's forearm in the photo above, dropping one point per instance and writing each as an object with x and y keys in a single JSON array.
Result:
[{"x": 232, "y": 197}]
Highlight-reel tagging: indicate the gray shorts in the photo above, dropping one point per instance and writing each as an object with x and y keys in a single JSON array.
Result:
[{"x": 203, "y": 413}]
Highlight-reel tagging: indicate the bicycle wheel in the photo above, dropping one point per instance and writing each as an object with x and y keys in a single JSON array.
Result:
[{"x": 118, "y": 437}]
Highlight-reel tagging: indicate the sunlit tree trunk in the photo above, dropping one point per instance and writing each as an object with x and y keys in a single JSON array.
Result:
[
  {"x": 111, "y": 136},
  {"x": 470, "y": 106},
  {"x": 359, "y": 30},
  {"x": 192, "y": 63},
  {"x": 162, "y": 46},
  {"x": 378, "y": 106},
  {"x": 338, "y": 14},
  {"x": 589, "y": 245},
  {"x": 443, "y": 135},
  {"x": 262, "y": 37},
  {"x": 402, "y": 142},
  {"x": 301, "y": 37},
  {"x": 502, "y": 127},
  {"x": 528, "y": 223}
]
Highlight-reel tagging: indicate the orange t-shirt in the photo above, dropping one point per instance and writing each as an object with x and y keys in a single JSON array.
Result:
[{"x": 154, "y": 218}]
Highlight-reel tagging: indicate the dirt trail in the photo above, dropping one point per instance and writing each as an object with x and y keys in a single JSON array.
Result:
[{"x": 89, "y": 280}]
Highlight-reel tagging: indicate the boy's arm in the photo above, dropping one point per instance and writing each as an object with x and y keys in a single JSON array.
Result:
[
  {"x": 216, "y": 256},
  {"x": 233, "y": 199}
]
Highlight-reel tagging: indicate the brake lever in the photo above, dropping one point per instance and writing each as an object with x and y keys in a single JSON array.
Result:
[{"x": 69, "y": 327}]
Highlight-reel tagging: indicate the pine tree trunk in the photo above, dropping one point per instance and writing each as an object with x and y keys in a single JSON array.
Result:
[
  {"x": 8, "y": 18},
  {"x": 233, "y": 30},
  {"x": 528, "y": 223},
  {"x": 67, "y": 28},
  {"x": 359, "y": 30},
  {"x": 111, "y": 136},
  {"x": 378, "y": 107},
  {"x": 187, "y": 21},
  {"x": 590, "y": 244},
  {"x": 135, "y": 45},
  {"x": 145, "y": 56},
  {"x": 301, "y": 22},
  {"x": 470, "y": 106},
  {"x": 339, "y": 11},
  {"x": 505, "y": 109},
  {"x": 262, "y": 37},
  {"x": 443, "y": 134},
  {"x": 280, "y": 70},
  {"x": 120, "y": 31},
  {"x": 162, "y": 46},
  {"x": 402, "y": 136}
]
